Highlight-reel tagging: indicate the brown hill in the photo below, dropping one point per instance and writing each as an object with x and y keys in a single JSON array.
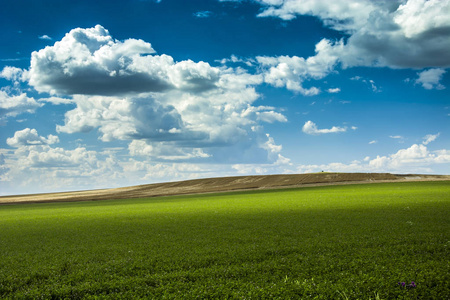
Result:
[{"x": 222, "y": 184}]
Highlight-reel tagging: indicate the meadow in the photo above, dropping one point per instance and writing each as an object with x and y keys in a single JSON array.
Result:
[{"x": 369, "y": 241}]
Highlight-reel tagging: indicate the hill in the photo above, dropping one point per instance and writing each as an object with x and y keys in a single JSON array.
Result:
[{"x": 220, "y": 184}]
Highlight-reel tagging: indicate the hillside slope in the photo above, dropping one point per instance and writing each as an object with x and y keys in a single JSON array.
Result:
[{"x": 222, "y": 184}]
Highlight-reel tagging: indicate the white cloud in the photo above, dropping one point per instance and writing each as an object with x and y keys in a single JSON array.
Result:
[
  {"x": 234, "y": 59},
  {"x": 45, "y": 37},
  {"x": 42, "y": 168},
  {"x": 11, "y": 106},
  {"x": 429, "y": 79},
  {"x": 418, "y": 16},
  {"x": 206, "y": 112},
  {"x": 333, "y": 90},
  {"x": 165, "y": 151},
  {"x": 415, "y": 159},
  {"x": 13, "y": 74},
  {"x": 292, "y": 72},
  {"x": 430, "y": 138},
  {"x": 264, "y": 114},
  {"x": 123, "y": 118},
  {"x": 373, "y": 142},
  {"x": 90, "y": 62},
  {"x": 340, "y": 15},
  {"x": 38, "y": 168},
  {"x": 311, "y": 128},
  {"x": 28, "y": 137},
  {"x": 405, "y": 34},
  {"x": 57, "y": 100},
  {"x": 369, "y": 82},
  {"x": 217, "y": 119}
]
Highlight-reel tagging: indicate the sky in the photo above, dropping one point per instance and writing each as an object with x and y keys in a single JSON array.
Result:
[{"x": 109, "y": 93}]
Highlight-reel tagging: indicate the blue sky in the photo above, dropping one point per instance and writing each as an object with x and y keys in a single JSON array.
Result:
[{"x": 100, "y": 94}]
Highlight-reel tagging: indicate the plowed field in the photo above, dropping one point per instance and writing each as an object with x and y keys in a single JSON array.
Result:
[{"x": 222, "y": 184}]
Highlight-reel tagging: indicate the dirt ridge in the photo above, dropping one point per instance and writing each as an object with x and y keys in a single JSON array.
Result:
[{"x": 220, "y": 184}]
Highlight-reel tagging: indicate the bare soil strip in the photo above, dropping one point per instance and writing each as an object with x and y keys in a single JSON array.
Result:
[{"x": 222, "y": 184}]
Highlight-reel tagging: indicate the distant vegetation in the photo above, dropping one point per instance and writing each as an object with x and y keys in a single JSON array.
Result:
[{"x": 373, "y": 241}]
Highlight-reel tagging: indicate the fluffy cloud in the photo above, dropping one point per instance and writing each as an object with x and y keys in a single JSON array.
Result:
[
  {"x": 339, "y": 15},
  {"x": 429, "y": 79},
  {"x": 292, "y": 72},
  {"x": 45, "y": 37},
  {"x": 42, "y": 168},
  {"x": 422, "y": 16},
  {"x": 13, "y": 74},
  {"x": 415, "y": 159},
  {"x": 124, "y": 118},
  {"x": 405, "y": 34},
  {"x": 333, "y": 90},
  {"x": 90, "y": 62},
  {"x": 36, "y": 166},
  {"x": 29, "y": 136},
  {"x": 11, "y": 106},
  {"x": 200, "y": 111},
  {"x": 311, "y": 128}
]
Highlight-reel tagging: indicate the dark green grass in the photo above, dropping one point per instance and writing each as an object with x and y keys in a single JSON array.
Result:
[{"x": 341, "y": 242}]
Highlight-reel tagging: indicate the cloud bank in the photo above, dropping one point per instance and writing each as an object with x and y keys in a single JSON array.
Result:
[
  {"x": 396, "y": 34},
  {"x": 127, "y": 92}
]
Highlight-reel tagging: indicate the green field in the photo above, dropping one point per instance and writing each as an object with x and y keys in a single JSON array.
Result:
[{"x": 335, "y": 242}]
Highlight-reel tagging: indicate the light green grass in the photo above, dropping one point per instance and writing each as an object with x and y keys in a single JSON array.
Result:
[{"x": 340, "y": 242}]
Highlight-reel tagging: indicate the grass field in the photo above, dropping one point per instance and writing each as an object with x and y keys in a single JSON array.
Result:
[{"x": 335, "y": 242}]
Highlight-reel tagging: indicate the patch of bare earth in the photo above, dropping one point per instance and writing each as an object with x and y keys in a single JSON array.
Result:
[{"x": 222, "y": 184}]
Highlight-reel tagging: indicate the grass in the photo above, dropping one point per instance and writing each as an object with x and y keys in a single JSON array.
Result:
[{"x": 335, "y": 242}]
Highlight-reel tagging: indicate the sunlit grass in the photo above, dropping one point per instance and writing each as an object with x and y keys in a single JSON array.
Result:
[{"x": 341, "y": 242}]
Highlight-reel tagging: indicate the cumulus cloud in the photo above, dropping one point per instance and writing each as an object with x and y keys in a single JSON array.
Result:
[
  {"x": 90, "y": 62},
  {"x": 421, "y": 16},
  {"x": 42, "y": 168},
  {"x": 14, "y": 105},
  {"x": 13, "y": 74},
  {"x": 311, "y": 128},
  {"x": 124, "y": 118},
  {"x": 397, "y": 34},
  {"x": 416, "y": 156},
  {"x": 45, "y": 37},
  {"x": 333, "y": 90},
  {"x": 429, "y": 79},
  {"x": 28, "y": 137},
  {"x": 292, "y": 72},
  {"x": 206, "y": 112},
  {"x": 415, "y": 159}
]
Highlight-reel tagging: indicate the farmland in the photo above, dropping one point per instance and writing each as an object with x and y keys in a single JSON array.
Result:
[{"x": 328, "y": 242}]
